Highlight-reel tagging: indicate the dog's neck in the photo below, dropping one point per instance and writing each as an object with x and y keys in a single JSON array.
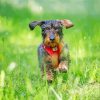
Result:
[{"x": 53, "y": 50}]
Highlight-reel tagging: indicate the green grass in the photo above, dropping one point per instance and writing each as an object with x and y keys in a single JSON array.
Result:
[{"x": 19, "y": 71}]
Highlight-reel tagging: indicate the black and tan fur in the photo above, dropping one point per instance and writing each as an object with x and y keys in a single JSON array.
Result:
[{"x": 53, "y": 39}]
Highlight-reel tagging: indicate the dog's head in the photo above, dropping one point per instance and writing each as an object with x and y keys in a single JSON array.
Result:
[{"x": 51, "y": 30}]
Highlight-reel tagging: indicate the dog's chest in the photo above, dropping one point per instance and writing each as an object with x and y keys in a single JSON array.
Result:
[
  {"x": 52, "y": 56},
  {"x": 52, "y": 60}
]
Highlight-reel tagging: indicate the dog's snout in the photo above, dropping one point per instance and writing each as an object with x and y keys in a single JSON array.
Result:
[{"x": 52, "y": 37}]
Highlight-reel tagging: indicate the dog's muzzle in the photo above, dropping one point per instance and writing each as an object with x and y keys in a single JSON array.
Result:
[{"x": 52, "y": 36}]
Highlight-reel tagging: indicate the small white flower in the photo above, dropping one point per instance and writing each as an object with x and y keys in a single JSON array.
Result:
[{"x": 12, "y": 66}]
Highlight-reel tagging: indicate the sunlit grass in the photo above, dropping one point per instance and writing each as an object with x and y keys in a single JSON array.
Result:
[{"x": 19, "y": 71}]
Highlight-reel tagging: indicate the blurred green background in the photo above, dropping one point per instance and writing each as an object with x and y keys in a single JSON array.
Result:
[{"x": 20, "y": 77}]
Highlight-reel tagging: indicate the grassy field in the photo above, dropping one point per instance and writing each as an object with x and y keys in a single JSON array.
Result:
[{"x": 19, "y": 72}]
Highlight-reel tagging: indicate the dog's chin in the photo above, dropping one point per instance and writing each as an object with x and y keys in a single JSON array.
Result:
[{"x": 52, "y": 44}]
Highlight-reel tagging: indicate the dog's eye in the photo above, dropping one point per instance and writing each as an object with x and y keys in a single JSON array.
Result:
[
  {"x": 56, "y": 28},
  {"x": 47, "y": 28}
]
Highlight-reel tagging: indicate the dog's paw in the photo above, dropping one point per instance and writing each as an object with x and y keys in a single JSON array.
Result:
[{"x": 62, "y": 67}]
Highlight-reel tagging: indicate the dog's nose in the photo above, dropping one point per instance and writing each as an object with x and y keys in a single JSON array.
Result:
[{"x": 52, "y": 37}]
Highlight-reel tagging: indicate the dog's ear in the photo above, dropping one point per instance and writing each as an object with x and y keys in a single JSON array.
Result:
[
  {"x": 66, "y": 23},
  {"x": 33, "y": 24}
]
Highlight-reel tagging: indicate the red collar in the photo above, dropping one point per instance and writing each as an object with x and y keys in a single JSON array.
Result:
[{"x": 52, "y": 51}]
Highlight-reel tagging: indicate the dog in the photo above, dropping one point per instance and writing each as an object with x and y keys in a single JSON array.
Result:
[{"x": 53, "y": 54}]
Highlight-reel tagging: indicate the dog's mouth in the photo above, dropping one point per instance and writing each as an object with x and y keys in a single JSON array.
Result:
[{"x": 52, "y": 44}]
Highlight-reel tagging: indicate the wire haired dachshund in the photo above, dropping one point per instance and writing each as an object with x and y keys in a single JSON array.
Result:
[{"x": 53, "y": 54}]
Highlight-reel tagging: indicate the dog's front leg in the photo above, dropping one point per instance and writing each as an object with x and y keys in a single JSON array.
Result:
[
  {"x": 64, "y": 60},
  {"x": 45, "y": 64},
  {"x": 41, "y": 54}
]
